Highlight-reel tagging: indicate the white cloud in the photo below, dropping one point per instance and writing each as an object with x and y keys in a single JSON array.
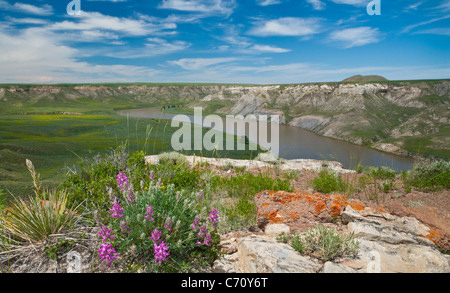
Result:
[
  {"x": 352, "y": 2},
  {"x": 445, "y": 31},
  {"x": 35, "y": 55},
  {"x": 413, "y": 26},
  {"x": 43, "y": 10},
  {"x": 286, "y": 26},
  {"x": 225, "y": 7},
  {"x": 267, "y": 2},
  {"x": 153, "y": 47},
  {"x": 268, "y": 49},
  {"x": 354, "y": 37},
  {"x": 317, "y": 4},
  {"x": 126, "y": 26},
  {"x": 200, "y": 63}
]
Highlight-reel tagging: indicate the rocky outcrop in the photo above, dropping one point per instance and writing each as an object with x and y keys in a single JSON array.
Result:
[
  {"x": 387, "y": 244},
  {"x": 297, "y": 164}
]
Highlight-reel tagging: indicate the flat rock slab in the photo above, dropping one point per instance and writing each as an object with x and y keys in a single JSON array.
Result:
[
  {"x": 297, "y": 164},
  {"x": 261, "y": 254}
]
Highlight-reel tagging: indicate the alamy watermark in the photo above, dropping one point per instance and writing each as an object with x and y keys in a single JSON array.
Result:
[
  {"x": 374, "y": 7},
  {"x": 74, "y": 7},
  {"x": 257, "y": 134}
]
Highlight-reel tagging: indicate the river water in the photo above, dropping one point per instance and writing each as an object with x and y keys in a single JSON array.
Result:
[{"x": 298, "y": 143}]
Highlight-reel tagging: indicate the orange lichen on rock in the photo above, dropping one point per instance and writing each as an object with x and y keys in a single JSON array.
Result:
[
  {"x": 274, "y": 217},
  {"x": 265, "y": 204},
  {"x": 433, "y": 236},
  {"x": 357, "y": 206},
  {"x": 295, "y": 216},
  {"x": 320, "y": 206},
  {"x": 335, "y": 210}
]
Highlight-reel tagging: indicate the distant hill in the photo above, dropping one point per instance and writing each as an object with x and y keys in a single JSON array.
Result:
[{"x": 364, "y": 78}]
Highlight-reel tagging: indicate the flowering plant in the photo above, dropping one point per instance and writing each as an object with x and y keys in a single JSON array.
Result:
[{"x": 166, "y": 227}]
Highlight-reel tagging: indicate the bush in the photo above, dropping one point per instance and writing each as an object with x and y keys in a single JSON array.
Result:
[
  {"x": 40, "y": 216},
  {"x": 241, "y": 210},
  {"x": 172, "y": 157},
  {"x": 323, "y": 243},
  {"x": 165, "y": 230},
  {"x": 329, "y": 181},
  {"x": 384, "y": 173},
  {"x": 430, "y": 176},
  {"x": 37, "y": 218}
]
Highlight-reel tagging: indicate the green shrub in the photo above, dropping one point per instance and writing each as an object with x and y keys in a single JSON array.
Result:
[
  {"x": 380, "y": 172},
  {"x": 329, "y": 181},
  {"x": 430, "y": 176},
  {"x": 387, "y": 185},
  {"x": 172, "y": 157},
  {"x": 324, "y": 243},
  {"x": 242, "y": 189}
]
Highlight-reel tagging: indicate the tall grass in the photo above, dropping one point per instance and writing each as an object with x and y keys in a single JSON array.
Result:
[{"x": 35, "y": 219}]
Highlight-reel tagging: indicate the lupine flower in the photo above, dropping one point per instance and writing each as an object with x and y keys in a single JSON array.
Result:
[
  {"x": 122, "y": 181},
  {"x": 214, "y": 217},
  {"x": 105, "y": 233},
  {"x": 130, "y": 195},
  {"x": 200, "y": 196},
  {"x": 156, "y": 234},
  {"x": 123, "y": 227},
  {"x": 106, "y": 252},
  {"x": 161, "y": 252},
  {"x": 195, "y": 222},
  {"x": 203, "y": 233},
  {"x": 116, "y": 210},
  {"x": 150, "y": 212},
  {"x": 152, "y": 176},
  {"x": 168, "y": 224}
]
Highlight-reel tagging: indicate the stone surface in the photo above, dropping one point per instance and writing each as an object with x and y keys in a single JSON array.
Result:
[
  {"x": 387, "y": 244},
  {"x": 261, "y": 254},
  {"x": 332, "y": 268},
  {"x": 276, "y": 229}
]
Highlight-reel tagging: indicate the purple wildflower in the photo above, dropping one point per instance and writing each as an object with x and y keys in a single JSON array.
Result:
[
  {"x": 152, "y": 176},
  {"x": 195, "y": 222},
  {"x": 156, "y": 236},
  {"x": 123, "y": 227},
  {"x": 150, "y": 213},
  {"x": 106, "y": 252},
  {"x": 203, "y": 233},
  {"x": 161, "y": 252},
  {"x": 214, "y": 217},
  {"x": 130, "y": 193},
  {"x": 116, "y": 210},
  {"x": 105, "y": 233},
  {"x": 168, "y": 224},
  {"x": 122, "y": 181}
]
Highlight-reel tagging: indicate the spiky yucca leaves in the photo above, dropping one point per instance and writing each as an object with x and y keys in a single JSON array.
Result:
[{"x": 34, "y": 220}]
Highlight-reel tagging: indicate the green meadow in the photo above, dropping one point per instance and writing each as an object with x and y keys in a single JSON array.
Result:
[{"x": 56, "y": 143}]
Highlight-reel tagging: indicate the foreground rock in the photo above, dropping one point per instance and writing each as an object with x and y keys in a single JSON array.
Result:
[{"x": 387, "y": 244}]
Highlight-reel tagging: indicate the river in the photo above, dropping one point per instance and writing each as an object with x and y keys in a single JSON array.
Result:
[{"x": 298, "y": 143}]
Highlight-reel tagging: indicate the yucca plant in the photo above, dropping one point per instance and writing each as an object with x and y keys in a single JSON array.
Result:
[{"x": 35, "y": 219}]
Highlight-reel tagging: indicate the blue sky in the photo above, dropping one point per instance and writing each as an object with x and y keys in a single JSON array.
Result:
[{"x": 225, "y": 41}]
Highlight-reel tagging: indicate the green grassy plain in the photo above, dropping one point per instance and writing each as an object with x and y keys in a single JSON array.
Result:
[{"x": 55, "y": 142}]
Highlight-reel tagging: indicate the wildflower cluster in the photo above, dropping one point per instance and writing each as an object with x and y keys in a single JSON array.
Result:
[
  {"x": 159, "y": 218},
  {"x": 106, "y": 251}
]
